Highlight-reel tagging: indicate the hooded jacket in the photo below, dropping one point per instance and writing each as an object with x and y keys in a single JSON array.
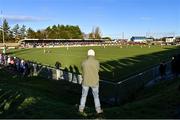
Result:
[{"x": 90, "y": 69}]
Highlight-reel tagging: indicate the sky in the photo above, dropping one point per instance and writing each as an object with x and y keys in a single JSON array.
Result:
[{"x": 116, "y": 18}]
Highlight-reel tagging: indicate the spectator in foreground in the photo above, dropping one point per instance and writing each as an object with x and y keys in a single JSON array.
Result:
[
  {"x": 178, "y": 64},
  {"x": 90, "y": 69},
  {"x": 57, "y": 65},
  {"x": 174, "y": 66}
]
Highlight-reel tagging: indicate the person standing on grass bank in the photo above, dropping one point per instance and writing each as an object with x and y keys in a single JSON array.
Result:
[{"x": 90, "y": 69}]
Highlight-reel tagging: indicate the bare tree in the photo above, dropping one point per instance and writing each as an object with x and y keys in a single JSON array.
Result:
[{"x": 97, "y": 33}]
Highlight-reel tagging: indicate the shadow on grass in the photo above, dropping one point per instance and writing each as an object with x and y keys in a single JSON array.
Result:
[
  {"x": 35, "y": 97},
  {"x": 10, "y": 101},
  {"x": 117, "y": 70}
]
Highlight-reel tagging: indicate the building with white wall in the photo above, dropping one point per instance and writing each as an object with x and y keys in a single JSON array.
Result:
[{"x": 170, "y": 39}]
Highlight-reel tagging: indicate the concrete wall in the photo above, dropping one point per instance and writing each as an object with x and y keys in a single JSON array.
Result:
[{"x": 9, "y": 44}]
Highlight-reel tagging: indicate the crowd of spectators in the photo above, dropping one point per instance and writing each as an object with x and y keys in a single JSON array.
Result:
[
  {"x": 59, "y": 44},
  {"x": 21, "y": 66},
  {"x": 74, "y": 44}
]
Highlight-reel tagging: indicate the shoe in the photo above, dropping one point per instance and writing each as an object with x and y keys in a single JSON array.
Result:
[
  {"x": 81, "y": 110},
  {"x": 82, "y": 113},
  {"x": 99, "y": 111}
]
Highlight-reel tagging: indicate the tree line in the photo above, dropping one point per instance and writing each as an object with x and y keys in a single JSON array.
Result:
[{"x": 18, "y": 32}]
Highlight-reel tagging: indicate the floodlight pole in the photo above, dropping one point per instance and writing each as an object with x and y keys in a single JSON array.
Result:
[
  {"x": 2, "y": 27},
  {"x": 123, "y": 35}
]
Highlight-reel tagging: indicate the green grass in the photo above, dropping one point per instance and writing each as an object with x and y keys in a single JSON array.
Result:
[
  {"x": 36, "y": 97},
  {"x": 116, "y": 63},
  {"x": 160, "y": 102}
]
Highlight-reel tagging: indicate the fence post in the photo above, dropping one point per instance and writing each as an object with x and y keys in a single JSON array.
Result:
[
  {"x": 80, "y": 79},
  {"x": 61, "y": 75},
  {"x": 35, "y": 69},
  {"x": 58, "y": 74},
  {"x": 70, "y": 76}
]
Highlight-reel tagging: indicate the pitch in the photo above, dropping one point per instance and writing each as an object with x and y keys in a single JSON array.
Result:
[{"x": 117, "y": 62}]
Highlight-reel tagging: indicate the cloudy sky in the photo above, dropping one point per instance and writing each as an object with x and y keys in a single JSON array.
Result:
[{"x": 114, "y": 17}]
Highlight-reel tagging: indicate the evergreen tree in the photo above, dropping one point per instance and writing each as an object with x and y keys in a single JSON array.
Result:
[
  {"x": 54, "y": 32},
  {"x": 31, "y": 33},
  {"x": 6, "y": 30},
  {"x": 16, "y": 31},
  {"x": 23, "y": 32}
]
